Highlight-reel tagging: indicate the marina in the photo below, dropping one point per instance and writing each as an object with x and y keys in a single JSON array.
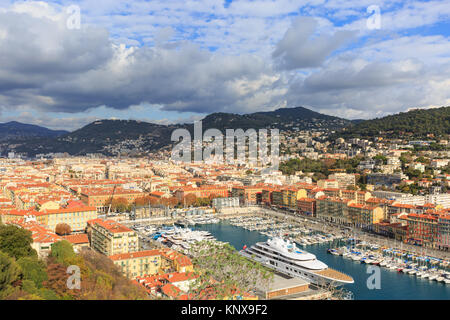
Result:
[
  {"x": 394, "y": 285},
  {"x": 174, "y": 237},
  {"x": 403, "y": 274},
  {"x": 396, "y": 260}
]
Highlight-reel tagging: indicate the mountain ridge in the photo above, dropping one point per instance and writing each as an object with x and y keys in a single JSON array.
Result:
[
  {"x": 19, "y": 130},
  {"x": 114, "y": 136},
  {"x": 415, "y": 123}
]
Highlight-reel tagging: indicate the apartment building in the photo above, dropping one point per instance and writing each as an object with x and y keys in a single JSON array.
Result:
[
  {"x": 75, "y": 217},
  {"x": 384, "y": 179},
  {"x": 206, "y": 191},
  {"x": 150, "y": 262},
  {"x": 307, "y": 206},
  {"x": 101, "y": 197},
  {"x": 422, "y": 229},
  {"x": 343, "y": 179},
  {"x": 248, "y": 194},
  {"x": 443, "y": 232},
  {"x": 333, "y": 209},
  {"x": 328, "y": 183},
  {"x": 291, "y": 195},
  {"x": 348, "y": 211},
  {"x": 109, "y": 237},
  {"x": 364, "y": 215}
]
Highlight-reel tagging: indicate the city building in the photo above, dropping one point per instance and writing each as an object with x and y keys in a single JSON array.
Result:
[
  {"x": 150, "y": 262},
  {"x": 109, "y": 237}
]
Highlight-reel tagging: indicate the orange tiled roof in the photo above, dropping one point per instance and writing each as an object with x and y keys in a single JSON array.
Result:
[
  {"x": 111, "y": 225},
  {"x": 77, "y": 238}
]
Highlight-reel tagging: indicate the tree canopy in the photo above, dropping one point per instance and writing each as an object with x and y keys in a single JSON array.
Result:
[
  {"x": 63, "y": 229},
  {"x": 16, "y": 242},
  {"x": 222, "y": 271}
]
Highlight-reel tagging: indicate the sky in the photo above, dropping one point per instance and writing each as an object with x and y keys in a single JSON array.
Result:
[{"x": 64, "y": 64}]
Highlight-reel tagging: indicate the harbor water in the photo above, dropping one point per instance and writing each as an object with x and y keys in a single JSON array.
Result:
[{"x": 393, "y": 285}]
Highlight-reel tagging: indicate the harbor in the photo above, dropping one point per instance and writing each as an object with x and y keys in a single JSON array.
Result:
[
  {"x": 394, "y": 285},
  {"x": 404, "y": 274}
]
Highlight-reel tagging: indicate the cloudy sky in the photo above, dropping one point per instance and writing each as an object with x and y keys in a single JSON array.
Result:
[{"x": 176, "y": 61}]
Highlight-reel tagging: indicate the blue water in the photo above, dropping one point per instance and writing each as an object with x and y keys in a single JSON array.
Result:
[{"x": 393, "y": 285}]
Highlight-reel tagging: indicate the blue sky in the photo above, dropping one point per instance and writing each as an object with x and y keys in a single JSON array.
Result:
[{"x": 176, "y": 61}]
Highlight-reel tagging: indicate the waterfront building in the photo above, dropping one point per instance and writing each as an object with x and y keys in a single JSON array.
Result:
[
  {"x": 291, "y": 195},
  {"x": 398, "y": 209},
  {"x": 360, "y": 197},
  {"x": 396, "y": 230},
  {"x": 109, "y": 237},
  {"x": 220, "y": 203},
  {"x": 248, "y": 194},
  {"x": 283, "y": 286},
  {"x": 277, "y": 197},
  {"x": 443, "y": 232},
  {"x": 333, "y": 209},
  {"x": 307, "y": 206},
  {"x": 363, "y": 215},
  {"x": 267, "y": 195},
  {"x": 422, "y": 229}
]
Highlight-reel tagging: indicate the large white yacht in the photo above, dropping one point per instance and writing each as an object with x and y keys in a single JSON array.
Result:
[{"x": 284, "y": 257}]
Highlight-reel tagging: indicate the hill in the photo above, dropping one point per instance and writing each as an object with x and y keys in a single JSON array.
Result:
[
  {"x": 17, "y": 130},
  {"x": 417, "y": 123},
  {"x": 104, "y": 136},
  {"x": 129, "y": 137},
  {"x": 284, "y": 119}
]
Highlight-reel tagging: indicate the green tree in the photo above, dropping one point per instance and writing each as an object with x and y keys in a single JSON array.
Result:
[
  {"x": 16, "y": 242},
  {"x": 34, "y": 270},
  {"x": 9, "y": 273},
  {"x": 30, "y": 287},
  {"x": 222, "y": 271},
  {"x": 380, "y": 158},
  {"x": 63, "y": 252}
]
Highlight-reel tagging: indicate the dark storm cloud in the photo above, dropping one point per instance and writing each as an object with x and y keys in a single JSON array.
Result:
[{"x": 74, "y": 70}]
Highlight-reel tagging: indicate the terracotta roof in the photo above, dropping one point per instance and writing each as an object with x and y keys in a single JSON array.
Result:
[
  {"x": 133, "y": 255},
  {"x": 77, "y": 238},
  {"x": 111, "y": 226}
]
